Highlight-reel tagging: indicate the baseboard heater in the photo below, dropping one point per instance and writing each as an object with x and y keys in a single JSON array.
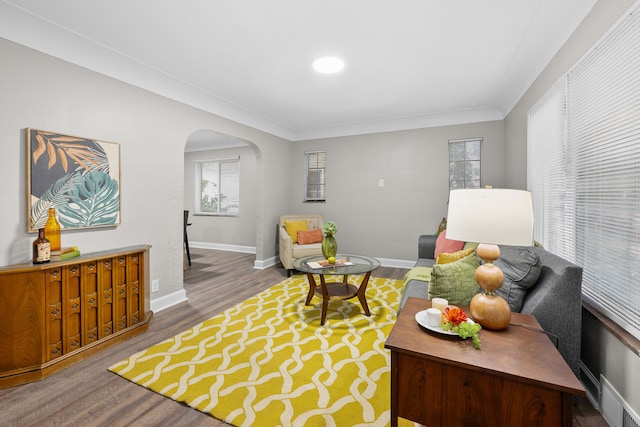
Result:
[{"x": 604, "y": 397}]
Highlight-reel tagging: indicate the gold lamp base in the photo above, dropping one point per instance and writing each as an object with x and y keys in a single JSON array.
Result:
[{"x": 489, "y": 310}]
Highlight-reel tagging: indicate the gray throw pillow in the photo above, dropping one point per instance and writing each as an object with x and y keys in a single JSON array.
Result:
[{"x": 521, "y": 268}]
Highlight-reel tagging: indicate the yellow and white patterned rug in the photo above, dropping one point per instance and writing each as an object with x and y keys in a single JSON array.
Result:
[{"x": 268, "y": 362}]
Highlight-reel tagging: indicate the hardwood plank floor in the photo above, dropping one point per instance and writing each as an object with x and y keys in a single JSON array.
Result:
[{"x": 86, "y": 394}]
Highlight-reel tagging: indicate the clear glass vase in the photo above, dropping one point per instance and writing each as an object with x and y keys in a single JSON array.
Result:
[{"x": 329, "y": 246}]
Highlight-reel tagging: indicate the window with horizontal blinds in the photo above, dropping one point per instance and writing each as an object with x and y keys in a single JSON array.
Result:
[
  {"x": 600, "y": 173},
  {"x": 604, "y": 136},
  {"x": 548, "y": 176},
  {"x": 217, "y": 187},
  {"x": 316, "y": 168}
]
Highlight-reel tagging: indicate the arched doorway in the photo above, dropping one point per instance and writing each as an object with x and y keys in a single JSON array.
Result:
[{"x": 236, "y": 231}]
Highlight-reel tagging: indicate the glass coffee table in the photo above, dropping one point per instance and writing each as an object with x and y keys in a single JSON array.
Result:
[{"x": 341, "y": 289}]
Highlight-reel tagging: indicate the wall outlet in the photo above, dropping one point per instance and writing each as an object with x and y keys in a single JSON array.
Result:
[{"x": 155, "y": 285}]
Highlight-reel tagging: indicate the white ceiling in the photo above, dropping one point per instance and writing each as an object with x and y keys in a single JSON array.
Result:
[{"x": 409, "y": 63}]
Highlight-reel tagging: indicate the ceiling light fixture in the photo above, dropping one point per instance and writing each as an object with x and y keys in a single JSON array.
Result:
[{"x": 328, "y": 65}]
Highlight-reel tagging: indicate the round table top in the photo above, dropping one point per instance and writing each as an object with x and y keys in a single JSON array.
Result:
[{"x": 354, "y": 264}]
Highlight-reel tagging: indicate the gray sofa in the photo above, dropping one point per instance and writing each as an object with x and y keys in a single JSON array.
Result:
[{"x": 555, "y": 299}]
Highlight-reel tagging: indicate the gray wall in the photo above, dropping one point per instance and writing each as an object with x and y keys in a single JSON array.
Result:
[
  {"x": 39, "y": 91},
  {"x": 385, "y": 222}
]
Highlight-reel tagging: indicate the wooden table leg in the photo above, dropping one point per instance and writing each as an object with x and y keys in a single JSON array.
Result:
[
  {"x": 361, "y": 293},
  {"x": 394, "y": 390},
  {"x": 312, "y": 288},
  {"x": 325, "y": 299}
]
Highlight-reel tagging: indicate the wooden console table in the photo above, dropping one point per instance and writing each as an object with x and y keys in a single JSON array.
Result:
[
  {"x": 56, "y": 314},
  {"x": 517, "y": 378}
]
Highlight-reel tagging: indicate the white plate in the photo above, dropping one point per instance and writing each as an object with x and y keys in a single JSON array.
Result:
[{"x": 421, "y": 318}]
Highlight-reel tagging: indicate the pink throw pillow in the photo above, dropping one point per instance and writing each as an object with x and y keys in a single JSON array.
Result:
[
  {"x": 445, "y": 245},
  {"x": 310, "y": 236}
]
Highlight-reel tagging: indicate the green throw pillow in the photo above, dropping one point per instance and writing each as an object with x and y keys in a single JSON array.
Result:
[
  {"x": 455, "y": 281},
  {"x": 471, "y": 245}
]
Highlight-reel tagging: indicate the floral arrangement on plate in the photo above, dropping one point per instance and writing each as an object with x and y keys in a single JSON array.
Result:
[{"x": 455, "y": 320}]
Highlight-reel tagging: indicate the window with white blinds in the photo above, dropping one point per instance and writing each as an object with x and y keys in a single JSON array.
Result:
[
  {"x": 584, "y": 171},
  {"x": 316, "y": 168},
  {"x": 217, "y": 187},
  {"x": 549, "y": 178}
]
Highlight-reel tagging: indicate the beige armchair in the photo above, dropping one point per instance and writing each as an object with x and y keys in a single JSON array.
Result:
[{"x": 289, "y": 251}]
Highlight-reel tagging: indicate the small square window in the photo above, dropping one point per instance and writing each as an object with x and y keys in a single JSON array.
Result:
[
  {"x": 464, "y": 163},
  {"x": 217, "y": 187}
]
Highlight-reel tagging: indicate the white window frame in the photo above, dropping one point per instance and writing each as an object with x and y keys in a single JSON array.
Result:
[
  {"x": 315, "y": 166},
  {"x": 228, "y": 182},
  {"x": 463, "y": 161}
]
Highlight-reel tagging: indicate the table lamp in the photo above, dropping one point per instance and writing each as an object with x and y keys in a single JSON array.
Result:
[{"x": 490, "y": 217}]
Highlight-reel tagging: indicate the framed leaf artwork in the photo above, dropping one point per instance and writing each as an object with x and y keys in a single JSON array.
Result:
[{"x": 79, "y": 177}]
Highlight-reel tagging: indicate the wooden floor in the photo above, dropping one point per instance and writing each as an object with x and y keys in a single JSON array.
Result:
[{"x": 86, "y": 394}]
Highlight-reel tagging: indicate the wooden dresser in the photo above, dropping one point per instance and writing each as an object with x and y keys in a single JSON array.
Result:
[{"x": 56, "y": 314}]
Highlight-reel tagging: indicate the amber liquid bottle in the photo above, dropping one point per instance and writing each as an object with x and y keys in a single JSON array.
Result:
[
  {"x": 41, "y": 249},
  {"x": 52, "y": 230}
]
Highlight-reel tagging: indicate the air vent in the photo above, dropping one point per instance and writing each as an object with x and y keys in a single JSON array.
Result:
[
  {"x": 614, "y": 408},
  {"x": 629, "y": 420}
]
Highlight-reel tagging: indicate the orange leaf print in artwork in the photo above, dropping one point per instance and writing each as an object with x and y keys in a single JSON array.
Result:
[
  {"x": 63, "y": 159},
  {"x": 39, "y": 151},
  {"x": 454, "y": 315},
  {"x": 51, "y": 150},
  {"x": 68, "y": 149}
]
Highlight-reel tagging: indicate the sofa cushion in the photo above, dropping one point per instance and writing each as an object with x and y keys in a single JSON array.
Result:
[
  {"x": 298, "y": 251},
  {"x": 413, "y": 289},
  {"x": 418, "y": 273},
  {"x": 455, "y": 281},
  {"x": 309, "y": 236},
  {"x": 447, "y": 257},
  {"x": 521, "y": 268},
  {"x": 424, "y": 262},
  {"x": 293, "y": 227},
  {"x": 445, "y": 245}
]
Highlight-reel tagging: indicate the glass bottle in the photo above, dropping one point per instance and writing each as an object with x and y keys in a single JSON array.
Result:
[
  {"x": 41, "y": 248},
  {"x": 52, "y": 230}
]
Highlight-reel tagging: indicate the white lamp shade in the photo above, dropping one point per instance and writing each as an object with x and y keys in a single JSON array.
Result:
[{"x": 494, "y": 216}]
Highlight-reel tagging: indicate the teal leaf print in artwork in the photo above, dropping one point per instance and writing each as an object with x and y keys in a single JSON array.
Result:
[
  {"x": 55, "y": 196},
  {"x": 95, "y": 202}
]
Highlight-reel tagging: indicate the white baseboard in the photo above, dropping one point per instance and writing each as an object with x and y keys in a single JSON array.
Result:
[
  {"x": 396, "y": 263},
  {"x": 591, "y": 385},
  {"x": 222, "y": 247},
  {"x": 166, "y": 301},
  {"x": 269, "y": 262}
]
